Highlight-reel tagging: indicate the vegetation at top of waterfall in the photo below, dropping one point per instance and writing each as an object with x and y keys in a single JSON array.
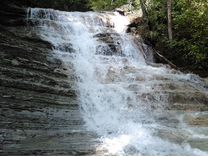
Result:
[
  {"x": 105, "y": 5},
  {"x": 188, "y": 47}
]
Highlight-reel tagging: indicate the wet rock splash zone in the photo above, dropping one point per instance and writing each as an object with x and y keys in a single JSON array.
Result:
[{"x": 125, "y": 106}]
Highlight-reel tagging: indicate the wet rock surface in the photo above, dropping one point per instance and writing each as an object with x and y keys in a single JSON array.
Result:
[{"x": 39, "y": 112}]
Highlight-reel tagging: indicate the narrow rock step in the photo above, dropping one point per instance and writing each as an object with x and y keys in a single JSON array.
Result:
[
  {"x": 38, "y": 105},
  {"x": 175, "y": 97},
  {"x": 34, "y": 77},
  {"x": 198, "y": 120},
  {"x": 61, "y": 116},
  {"x": 201, "y": 143},
  {"x": 22, "y": 53},
  {"x": 46, "y": 124},
  {"x": 188, "y": 97},
  {"x": 51, "y": 142},
  {"x": 189, "y": 106},
  {"x": 161, "y": 85},
  {"x": 22, "y": 136},
  {"x": 55, "y": 72},
  {"x": 7, "y": 93},
  {"x": 35, "y": 87},
  {"x": 52, "y": 152}
]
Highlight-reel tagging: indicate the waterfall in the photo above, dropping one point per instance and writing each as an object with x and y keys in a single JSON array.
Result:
[{"x": 122, "y": 98}]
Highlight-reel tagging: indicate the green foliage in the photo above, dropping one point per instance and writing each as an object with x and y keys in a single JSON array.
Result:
[
  {"x": 190, "y": 30},
  {"x": 105, "y": 5},
  {"x": 136, "y": 4}
]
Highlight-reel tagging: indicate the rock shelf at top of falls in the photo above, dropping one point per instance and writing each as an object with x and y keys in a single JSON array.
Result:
[{"x": 76, "y": 84}]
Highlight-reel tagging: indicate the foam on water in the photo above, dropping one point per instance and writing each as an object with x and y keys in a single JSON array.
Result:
[{"x": 113, "y": 89}]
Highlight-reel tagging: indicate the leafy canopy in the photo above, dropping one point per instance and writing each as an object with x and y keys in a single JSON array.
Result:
[
  {"x": 105, "y": 5},
  {"x": 190, "y": 30}
]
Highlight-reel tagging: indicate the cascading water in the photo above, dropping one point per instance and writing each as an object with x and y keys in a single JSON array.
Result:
[{"x": 121, "y": 97}]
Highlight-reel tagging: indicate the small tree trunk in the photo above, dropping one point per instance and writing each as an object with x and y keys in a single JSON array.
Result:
[
  {"x": 144, "y": 11},
  {"x": 169, "y": 8}
]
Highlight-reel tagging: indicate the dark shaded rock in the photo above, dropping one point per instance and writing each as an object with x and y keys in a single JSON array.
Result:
[
  {"x": 111, "y": 44},
  {"x": 120, "y": 11},
  {"x": 55, "y": 4},
  {"x": 135, "y": 23},
  {"x": 12, "y": 15}
]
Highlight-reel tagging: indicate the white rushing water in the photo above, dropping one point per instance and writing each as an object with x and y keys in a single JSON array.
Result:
[{"x": 121, "y": 97}]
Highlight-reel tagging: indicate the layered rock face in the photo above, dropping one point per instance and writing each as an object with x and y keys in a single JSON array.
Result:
[{"x": 39, "y": 112}]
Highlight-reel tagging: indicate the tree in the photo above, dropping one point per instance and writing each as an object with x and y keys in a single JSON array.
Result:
[
  {"x": 169, "y": 12},
  {"x": 144, "y": 10},
  {"x": 188, "y": 19}
]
